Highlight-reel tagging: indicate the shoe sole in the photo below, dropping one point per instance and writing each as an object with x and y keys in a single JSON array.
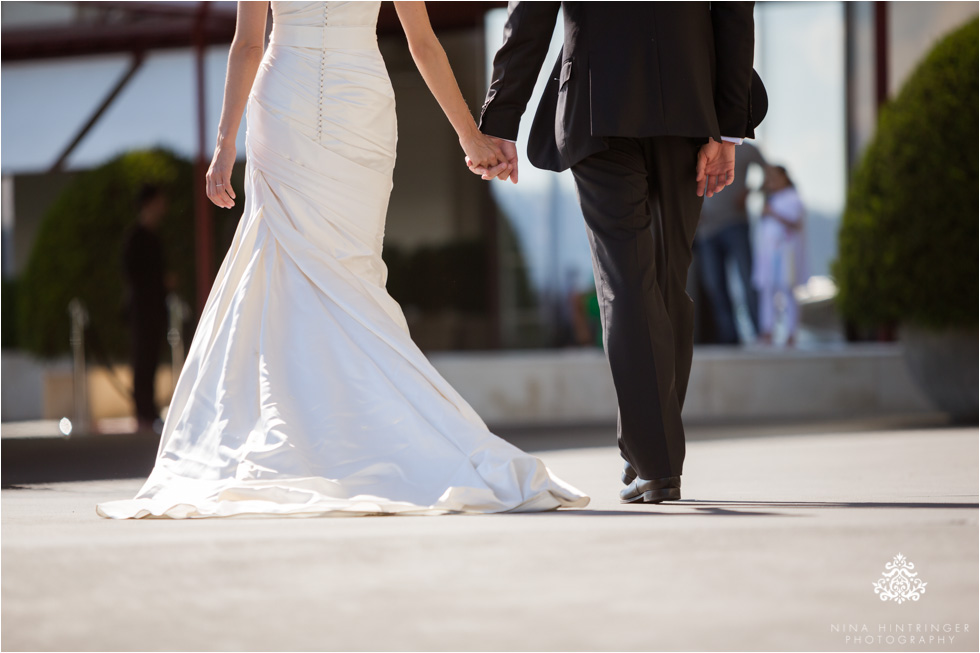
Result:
[{"x": 655, "y": 496}]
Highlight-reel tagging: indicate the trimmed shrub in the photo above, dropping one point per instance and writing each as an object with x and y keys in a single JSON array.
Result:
[{"x": 909, "y": 235}]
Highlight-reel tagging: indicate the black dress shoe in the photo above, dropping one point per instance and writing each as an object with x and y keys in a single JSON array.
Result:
[
  {"x": 651, "y": 491},
  {"x": 628, "y": 473}
]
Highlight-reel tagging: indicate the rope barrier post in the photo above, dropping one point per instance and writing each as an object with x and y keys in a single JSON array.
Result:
[
  {"x": 79, "y": 320},
  {"x": 179, "y": 311}
]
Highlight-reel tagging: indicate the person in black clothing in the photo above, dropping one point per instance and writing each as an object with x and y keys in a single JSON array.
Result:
[
  {"x": 146, "y": 299},
  {"x": 645, "y": 105}
]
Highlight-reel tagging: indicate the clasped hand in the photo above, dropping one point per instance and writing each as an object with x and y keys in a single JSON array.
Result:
[{"x": 503, "y": 165}]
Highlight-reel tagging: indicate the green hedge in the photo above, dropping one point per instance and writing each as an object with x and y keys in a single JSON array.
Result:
[
  {"x": 77, "y": 251},
  {"x": 909, "y": 237},
  {"x": 432, "y": 278}
]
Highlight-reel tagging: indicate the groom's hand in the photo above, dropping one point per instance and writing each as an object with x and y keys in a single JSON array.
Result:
[
  {"x": 716, "y": 167},
  {"x": 504, "y": 170},
  {"x": 499, "y": 170}
]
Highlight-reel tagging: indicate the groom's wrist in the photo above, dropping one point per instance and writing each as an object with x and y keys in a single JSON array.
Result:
[{"x": 501, "y": 124}]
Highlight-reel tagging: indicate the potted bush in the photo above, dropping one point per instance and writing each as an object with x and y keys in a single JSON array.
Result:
[{"x": 908, "y": 239}]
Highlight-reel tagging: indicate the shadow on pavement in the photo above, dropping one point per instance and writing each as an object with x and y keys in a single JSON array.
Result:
[
  {"x": 582, "y": 436},
  {"x": 724, "y": 508},
  {"x": 840, "y": 504},
  {"x": 659, "y": 512}
]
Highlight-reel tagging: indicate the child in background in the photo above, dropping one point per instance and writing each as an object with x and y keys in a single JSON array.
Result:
[{"x": 779, "y": 257}]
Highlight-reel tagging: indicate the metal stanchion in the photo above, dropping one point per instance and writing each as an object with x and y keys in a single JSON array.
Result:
[
  {"x": 178, "y": 311},
  {"x": 79, "y": 319}
]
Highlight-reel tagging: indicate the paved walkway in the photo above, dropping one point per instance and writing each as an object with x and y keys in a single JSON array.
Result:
[{"x": 776, "y": 546}]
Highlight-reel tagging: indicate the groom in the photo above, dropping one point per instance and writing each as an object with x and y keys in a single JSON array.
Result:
[{"x": 645, "y": 105}]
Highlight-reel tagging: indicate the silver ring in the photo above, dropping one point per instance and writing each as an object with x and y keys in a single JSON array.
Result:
[{"x": 219, "y": 184}]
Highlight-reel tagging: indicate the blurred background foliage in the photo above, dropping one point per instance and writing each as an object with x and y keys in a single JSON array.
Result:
[{"x": 909, "y": 235}]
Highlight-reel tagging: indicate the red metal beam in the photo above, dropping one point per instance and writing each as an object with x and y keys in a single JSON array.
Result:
[
  {"x": 181, "y": 9},
  {"x": 128, "y": 75},
  {"x": 202, "y": 209},
  {"x": 157, "y": 26},
  {"x": 55, "y": 42},
  {"x": 881, "y": 53}
]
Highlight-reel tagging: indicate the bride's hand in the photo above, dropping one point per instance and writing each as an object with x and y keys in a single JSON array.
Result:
[{"x": 218, "y": 178}]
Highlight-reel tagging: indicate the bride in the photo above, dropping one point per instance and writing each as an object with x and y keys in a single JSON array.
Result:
[{"x": 303, "y": 393}]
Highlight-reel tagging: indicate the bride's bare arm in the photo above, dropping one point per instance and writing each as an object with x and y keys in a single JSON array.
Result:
[
  {"x": 243, "y": 64},
  {"x": 432, "y": 62}
]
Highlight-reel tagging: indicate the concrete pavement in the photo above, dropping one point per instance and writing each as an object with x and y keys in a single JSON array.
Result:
[{"x": 777, "y": 544}]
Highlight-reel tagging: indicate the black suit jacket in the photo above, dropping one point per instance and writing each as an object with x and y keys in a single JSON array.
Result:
[{"x": 633, "y": 69}]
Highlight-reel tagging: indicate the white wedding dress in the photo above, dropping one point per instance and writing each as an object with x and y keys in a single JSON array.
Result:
[{"x": 303, "y": 393}]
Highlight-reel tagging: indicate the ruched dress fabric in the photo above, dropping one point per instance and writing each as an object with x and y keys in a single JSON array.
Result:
[{"x": 303, "y": 393}]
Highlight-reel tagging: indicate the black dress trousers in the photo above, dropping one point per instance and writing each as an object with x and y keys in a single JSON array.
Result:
[
  {"x": 148, "y": 330},
  {"x": 641, "y": 210},
  {"x": 143, "y": 266}
]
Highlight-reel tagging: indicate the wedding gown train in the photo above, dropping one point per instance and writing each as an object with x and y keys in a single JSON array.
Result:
[{"x": 302, "y": 393}]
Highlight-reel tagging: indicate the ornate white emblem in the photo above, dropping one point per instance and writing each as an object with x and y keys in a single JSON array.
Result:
[{"x": 899, "y": 583}]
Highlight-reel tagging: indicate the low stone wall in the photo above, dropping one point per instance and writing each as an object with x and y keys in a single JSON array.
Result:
[
  {"x": 34, "y": 389},
  {"x": 574, "y": 385},
  {"x": 552, "y": 387}
]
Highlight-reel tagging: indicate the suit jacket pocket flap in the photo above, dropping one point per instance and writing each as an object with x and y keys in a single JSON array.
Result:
[{"x": 566, "y": 73}]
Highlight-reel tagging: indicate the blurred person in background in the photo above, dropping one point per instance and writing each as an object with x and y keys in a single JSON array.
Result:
[
  {"x": 779, "y": 262},
  {"x": 147, "y": 284},
  {"x": 585, "y": 318},
  {"x": 723, "y": 239}
]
